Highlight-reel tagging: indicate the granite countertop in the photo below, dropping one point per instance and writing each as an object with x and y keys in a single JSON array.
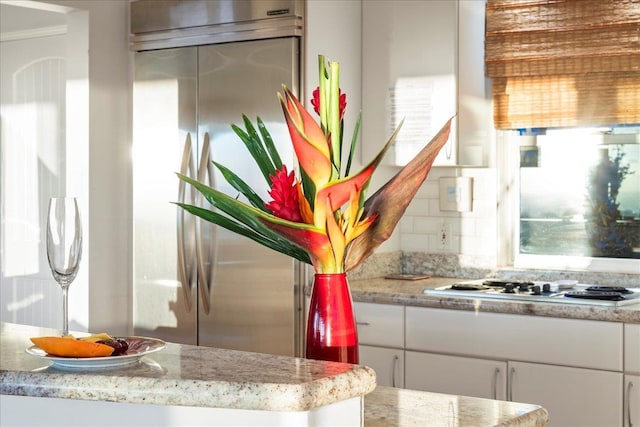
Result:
[
  {"x": 394, "y": 407},
  {"x": 410, "y": 293},
  {"x": 184, "y": 375}
]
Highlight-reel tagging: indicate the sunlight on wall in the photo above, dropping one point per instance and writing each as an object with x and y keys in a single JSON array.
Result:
[
  {"x": 424, "y": 104},
  {"x": 22, "y": 161}
]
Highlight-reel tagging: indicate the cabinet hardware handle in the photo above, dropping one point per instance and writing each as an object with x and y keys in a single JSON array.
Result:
[
  {"x": 184, "y": 245},
  {"x": 363, "y": 323},
  {"x": 629, "y": 386},
  {"x": 511, "y": 374},
  {"x": 393, "y": 370},
  {"x": 205, "y": 249},
  {"x": 495, "y": 383}
]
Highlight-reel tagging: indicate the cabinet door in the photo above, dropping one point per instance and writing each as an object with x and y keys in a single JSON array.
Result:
[
  {"x": 632, "y": 400},
  {"x": 380, "y": 324},
  {"x": 574, "y": 397},
  {"x": 417, "y": 41},
  {"x": 632, "y": 348},
  {"x": 456, "y": 375},
  {"x": 387, "y": 362}
]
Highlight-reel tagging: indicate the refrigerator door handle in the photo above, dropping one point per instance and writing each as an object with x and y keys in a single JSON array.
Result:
[
  {"x": 184, "y": 273},
  {"x": 205, "y": 250}
]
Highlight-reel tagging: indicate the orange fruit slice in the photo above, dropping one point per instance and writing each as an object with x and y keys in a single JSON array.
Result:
[{"x": 71, "y": 347}]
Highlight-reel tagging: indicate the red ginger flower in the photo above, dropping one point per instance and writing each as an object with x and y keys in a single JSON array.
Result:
[
  {"x": 315, "y": 101},
  {"x": 284, "y": 191}
]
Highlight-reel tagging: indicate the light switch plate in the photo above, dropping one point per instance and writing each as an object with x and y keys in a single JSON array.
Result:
[{"x": 456, "y": 194}]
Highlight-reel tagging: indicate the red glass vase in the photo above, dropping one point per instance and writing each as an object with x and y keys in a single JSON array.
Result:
[{"x": 331, "y": 327}]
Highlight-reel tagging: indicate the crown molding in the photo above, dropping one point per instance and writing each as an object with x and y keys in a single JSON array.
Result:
[{"x": 33, "y": 33}]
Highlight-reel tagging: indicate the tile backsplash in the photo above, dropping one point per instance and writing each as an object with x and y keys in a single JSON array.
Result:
[{"x": 426, "y": 228}]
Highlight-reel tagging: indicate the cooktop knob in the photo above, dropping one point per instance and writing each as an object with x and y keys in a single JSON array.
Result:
[
  {"x": 535, "y": 290},
  {"x": 509, "y": 288},
  {"x": 546, "y": 287}
]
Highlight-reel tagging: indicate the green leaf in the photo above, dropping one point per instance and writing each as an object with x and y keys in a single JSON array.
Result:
[
  {"x": 268, "y": 142},
  {"x": 236, "y": 182},
  {"x": 256, "y": 149},
  {"x": 225, "y": 222},
  {"x": 252, "y": 218},
  {"x": 308, "y": 188},
  {"x": 354, "y": 141}
]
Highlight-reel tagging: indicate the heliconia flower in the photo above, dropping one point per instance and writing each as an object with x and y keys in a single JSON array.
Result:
[
  {"x": 315, "y": 101},
  {"x": 318, "y": 213},
  {"x": 284, "y": 191},
  {"x": 309, "y": 141}
]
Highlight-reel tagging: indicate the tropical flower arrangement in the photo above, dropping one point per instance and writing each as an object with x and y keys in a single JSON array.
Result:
[{"x": 319, "y": 212}]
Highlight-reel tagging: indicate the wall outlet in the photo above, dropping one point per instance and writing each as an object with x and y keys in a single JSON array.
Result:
[{"x": 445, "y": 236}]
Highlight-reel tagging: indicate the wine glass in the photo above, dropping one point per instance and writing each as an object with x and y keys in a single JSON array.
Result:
[{"x": 64, "y": 247}]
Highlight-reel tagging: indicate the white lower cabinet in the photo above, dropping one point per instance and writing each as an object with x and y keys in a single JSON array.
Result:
[
  {"x": 584, "y": 372},
  {"x": 456, "y": 375},
  {"x": 632, "y": 400},
  {"x": 571, "y": 367},
  {"x": 387, "y": 362},
  {"x": 574, "y": 397},
  {"x": 381, "y": 336}
]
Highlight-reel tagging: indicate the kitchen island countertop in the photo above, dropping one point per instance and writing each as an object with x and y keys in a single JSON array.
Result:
[
  {"x": 395, "y": 407},
  {"x": 184, "y": 375},
  {"x": 411, "y": 293}
]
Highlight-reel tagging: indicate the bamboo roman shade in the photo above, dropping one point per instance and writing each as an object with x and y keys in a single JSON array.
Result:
[{"x": 557, "y": 63}]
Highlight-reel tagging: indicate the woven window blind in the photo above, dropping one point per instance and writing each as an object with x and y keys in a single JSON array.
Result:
[{"x": 560, "y": 63}]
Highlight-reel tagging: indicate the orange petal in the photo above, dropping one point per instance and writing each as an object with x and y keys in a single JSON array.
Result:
[{"x": 309, "y": 142}]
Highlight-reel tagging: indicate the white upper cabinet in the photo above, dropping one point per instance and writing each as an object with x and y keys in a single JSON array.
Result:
[{"x": 423, "y": 62}]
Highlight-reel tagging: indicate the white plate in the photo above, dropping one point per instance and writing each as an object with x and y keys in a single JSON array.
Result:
[{"x": 138, "y": 347}]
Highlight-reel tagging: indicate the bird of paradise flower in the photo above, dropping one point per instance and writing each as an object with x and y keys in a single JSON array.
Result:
[{"x": 322, "y": 215}]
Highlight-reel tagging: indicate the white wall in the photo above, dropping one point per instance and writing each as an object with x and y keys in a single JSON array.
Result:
[{"x": 109, "y": 134}]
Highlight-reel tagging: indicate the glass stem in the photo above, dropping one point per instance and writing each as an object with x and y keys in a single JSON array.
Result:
[{"x": 65, "y": 311}]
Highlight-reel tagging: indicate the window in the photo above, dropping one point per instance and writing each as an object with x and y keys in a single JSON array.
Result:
[
  {"x": 570, "y": 194},
  {"x": 578, "y": 204}
]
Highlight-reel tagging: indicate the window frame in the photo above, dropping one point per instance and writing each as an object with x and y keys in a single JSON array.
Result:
[{"x": 508, "y": 221}]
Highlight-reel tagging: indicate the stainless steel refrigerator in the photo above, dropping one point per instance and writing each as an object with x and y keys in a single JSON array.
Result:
[{"x": 194, "y": 282}]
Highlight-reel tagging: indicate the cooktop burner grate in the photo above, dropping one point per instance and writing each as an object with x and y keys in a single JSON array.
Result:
[
  {"x": 613, "y": 296},
  {"x": 608, "y": 296}
]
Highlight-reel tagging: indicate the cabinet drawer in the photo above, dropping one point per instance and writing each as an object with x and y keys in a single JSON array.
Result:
[
  {"x": 632, "y": 348},
  {"x": 570, "y": 342},
  {"x": 380, "y": 324}
]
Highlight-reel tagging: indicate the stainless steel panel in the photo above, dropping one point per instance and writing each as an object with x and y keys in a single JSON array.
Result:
[
  {"x": 159, "y": 24},
  {"x": 162, "y": 15},
  {"x": 252, "y": 288},
  {"x": 164, "y": 142}
]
